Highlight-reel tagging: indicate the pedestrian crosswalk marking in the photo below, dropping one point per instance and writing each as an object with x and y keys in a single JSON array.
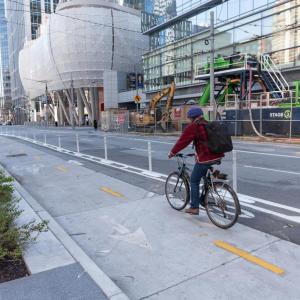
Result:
[{"x": 249, "y": 257}]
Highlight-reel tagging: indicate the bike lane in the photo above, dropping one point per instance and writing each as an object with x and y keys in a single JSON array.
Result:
[{"x": 145, "y": 247}]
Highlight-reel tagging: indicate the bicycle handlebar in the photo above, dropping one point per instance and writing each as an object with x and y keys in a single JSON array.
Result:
[{"x": 185, "y": 155}]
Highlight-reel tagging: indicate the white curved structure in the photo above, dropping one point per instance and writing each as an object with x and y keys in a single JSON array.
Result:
[{"x": 79, "y": 43}]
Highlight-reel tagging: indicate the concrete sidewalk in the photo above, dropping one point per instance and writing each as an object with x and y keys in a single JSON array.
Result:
[
  {"x": 54, "y": 274},
  {"x": 145, "y": 247},
  {"x": 64, "y": 283}
]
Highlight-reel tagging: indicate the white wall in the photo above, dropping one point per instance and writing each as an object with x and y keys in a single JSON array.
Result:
[{"x": 80, "y": 43}]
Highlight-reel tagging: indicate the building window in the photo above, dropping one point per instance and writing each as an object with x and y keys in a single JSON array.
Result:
[
  {"x": 36, "y": 17},
  {"x": 55, "y": 2},
  {"x": 47, "y": 6}
]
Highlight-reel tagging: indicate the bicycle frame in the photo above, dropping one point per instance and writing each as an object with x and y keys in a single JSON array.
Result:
[
  {"x": 182, "y": 168},
  {"x": 208, "y": 180}
]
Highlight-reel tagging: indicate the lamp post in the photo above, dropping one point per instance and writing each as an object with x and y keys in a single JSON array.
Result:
[
  {"x": 136, "y": 88},
  {"x": 212, "y": 101},
  {"x": 46, "y": 95}
]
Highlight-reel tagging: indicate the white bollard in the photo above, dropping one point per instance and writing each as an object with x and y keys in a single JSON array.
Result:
[
  {"x": 105, "y": 147},
  {"x": 150, "y": 156},
  {"x": 45, "y": 139},
  {"x": 34, "y": 137},
  {"x": 59, "y": 142},
  {"x": 234, "y": 171},
  {"x": 77, "y": 143}
]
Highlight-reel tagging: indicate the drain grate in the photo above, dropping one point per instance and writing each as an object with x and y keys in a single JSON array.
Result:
[{"x": 16, "y": 155}]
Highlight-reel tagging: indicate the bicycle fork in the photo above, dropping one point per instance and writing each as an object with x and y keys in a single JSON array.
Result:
[{"x": 179, "y": 176}]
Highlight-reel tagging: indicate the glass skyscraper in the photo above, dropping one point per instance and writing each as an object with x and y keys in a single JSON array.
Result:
[
  {"x": 179, "y": 34},
  {"x": 5, "y": 96},
  {"x": 24, "y": 18}
]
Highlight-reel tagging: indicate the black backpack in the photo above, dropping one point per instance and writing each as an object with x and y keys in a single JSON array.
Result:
[{"x": 219, "y": 140}]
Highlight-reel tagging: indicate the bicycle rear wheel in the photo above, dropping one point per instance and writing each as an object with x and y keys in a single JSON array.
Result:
[
  {"x": 222, "y": 205},
  {"x": 177, "y": 191}
]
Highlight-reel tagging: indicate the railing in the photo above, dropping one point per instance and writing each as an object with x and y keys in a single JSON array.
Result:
[
  {"x": 266, "y": 99},
  {"x": 267, "y": 64},
  {"x": 230, "y": 62},
  {"x": 231, "y": 101}
]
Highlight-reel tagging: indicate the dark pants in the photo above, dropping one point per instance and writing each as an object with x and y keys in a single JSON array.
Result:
[
  {"x": 95, "y": 124},
  {"x": 199, "y": 171}
]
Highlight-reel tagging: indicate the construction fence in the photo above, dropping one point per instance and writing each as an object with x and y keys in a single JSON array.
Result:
[
  {"x": 272, "y": 121},
  {"x": 262, "y": 116}
]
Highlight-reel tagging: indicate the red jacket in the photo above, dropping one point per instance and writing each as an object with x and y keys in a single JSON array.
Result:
[{"x": 197, "y": 133}]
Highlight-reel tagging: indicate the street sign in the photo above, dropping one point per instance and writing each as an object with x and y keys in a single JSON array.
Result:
[
  {"x": 140, "y": 81},
  {"x": 121, "y": 118},
  {"x": 131, "y": 80},
  {"x": 137, "y": 99}
]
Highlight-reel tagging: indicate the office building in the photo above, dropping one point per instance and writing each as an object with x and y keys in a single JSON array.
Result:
[
  {"x": 24, "y": 18},
  {"x": 5, "y": 95},
  {"x": 179, "y": 33},
  {"x": 83, "y": 55}
]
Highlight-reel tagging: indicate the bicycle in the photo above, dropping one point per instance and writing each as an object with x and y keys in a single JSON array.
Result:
[{"x": 220, "y": 200}]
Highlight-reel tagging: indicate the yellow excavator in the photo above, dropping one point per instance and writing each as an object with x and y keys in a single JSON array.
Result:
[{"x": 154, "y": 115}]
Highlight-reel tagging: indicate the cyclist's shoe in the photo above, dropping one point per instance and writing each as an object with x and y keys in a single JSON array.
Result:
[{"x": 192, "y": 211}]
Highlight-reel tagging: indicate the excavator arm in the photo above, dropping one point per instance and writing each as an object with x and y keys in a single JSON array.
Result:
[
  {"x": 157, "y": 97},
  {"x": 170, "y": 96},
  {"x": 166, "y": 117},
  {"x": 154, "y": 116}
]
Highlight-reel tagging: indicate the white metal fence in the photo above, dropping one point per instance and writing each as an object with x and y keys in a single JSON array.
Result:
[{"x": 111, "y": 145}]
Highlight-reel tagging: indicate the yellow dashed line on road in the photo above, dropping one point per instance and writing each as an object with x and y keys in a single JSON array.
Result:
[
  {"x": 62, "y": 169},
  {"x": 109, "y": 191},
  {"x": 249, "y": 257}
]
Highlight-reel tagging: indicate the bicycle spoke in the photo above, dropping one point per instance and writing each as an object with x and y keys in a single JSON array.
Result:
[
  {"x": 176, "y": 191},
  {"x": 222, "y": 207}
]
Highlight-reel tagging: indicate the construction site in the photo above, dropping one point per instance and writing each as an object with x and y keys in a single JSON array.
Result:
[{"x": 251, "y": 95}]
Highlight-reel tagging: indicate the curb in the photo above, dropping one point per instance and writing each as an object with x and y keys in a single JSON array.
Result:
[
  {"x": 47, "y": 253},
  {"x": 286, "y": 141},
  {"x": 108, "y": 287}
]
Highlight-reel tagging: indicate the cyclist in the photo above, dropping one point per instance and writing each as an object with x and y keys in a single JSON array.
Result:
[{"x": 195, "y": 132}]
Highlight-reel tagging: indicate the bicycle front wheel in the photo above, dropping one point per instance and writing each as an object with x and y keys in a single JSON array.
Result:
[
  {"x": 222, "y": 205},
  {"x": 177, "y": 191}
]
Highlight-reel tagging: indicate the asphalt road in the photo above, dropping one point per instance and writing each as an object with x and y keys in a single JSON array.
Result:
[{"x": 269, "y": 172}]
